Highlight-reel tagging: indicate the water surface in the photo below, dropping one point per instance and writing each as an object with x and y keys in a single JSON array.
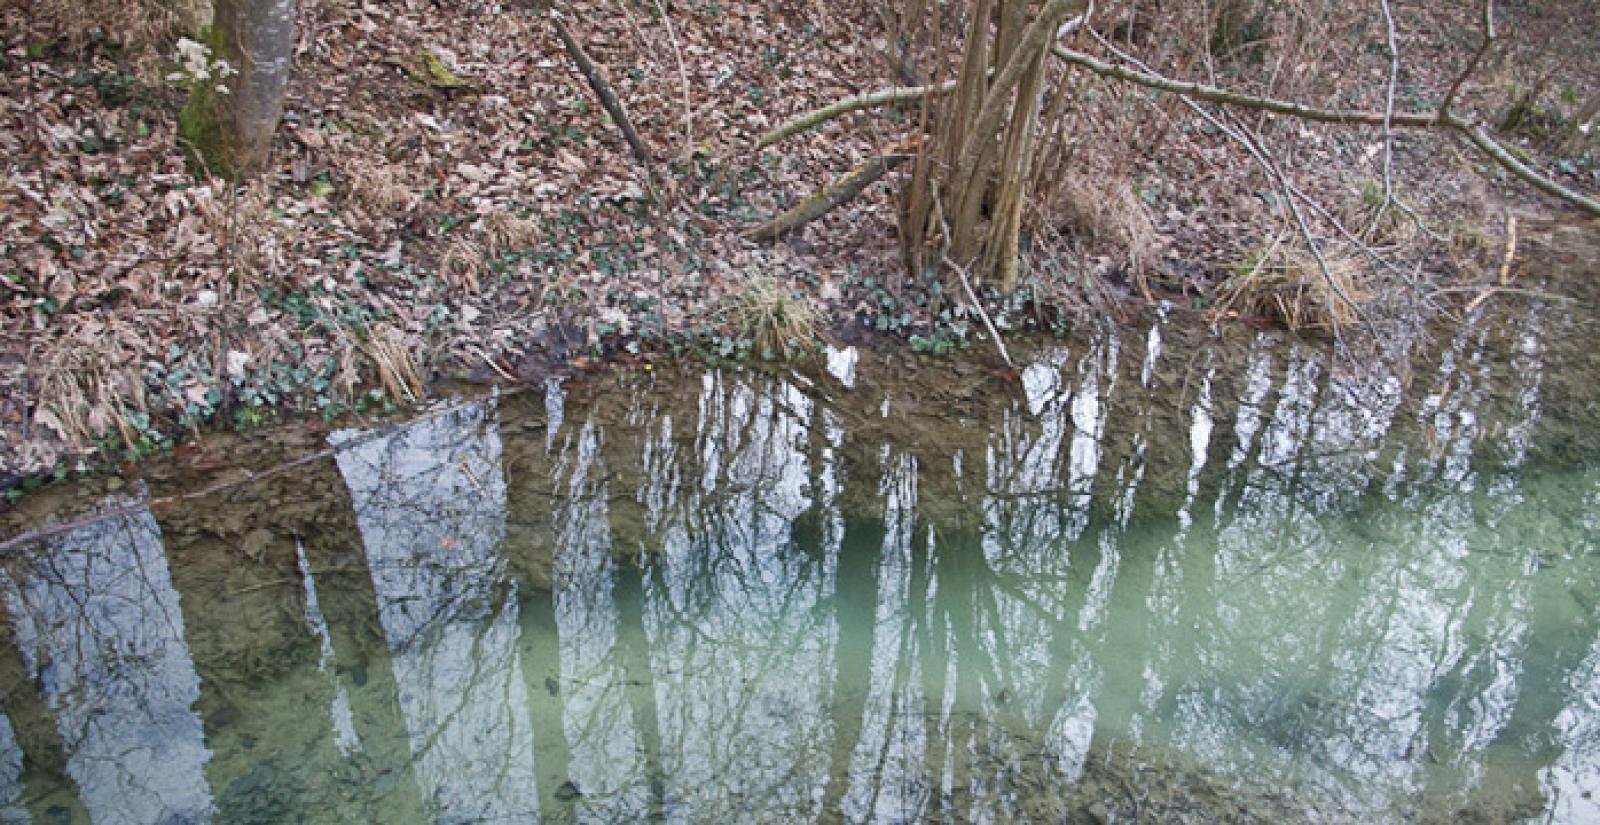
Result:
[{"x": 1154, "y": 575}]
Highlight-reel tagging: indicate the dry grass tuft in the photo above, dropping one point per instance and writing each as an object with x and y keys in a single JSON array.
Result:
[
  {"x": 1113, "y": 220},
  {"x": 1363, "y": 211},
  {"x": 1286, "y": 284},
  {"x": 397, "y": 371},
  {"x": 780, "y": 325},
  {"x": 461, "y": 262},
  {"x": 84, "y": 395},
  {"x": 144, "y": 28},
  {"x": 381, "y": 189},
  {"x": 241, "y": 221},
  {"x": 504, "y": 232}
]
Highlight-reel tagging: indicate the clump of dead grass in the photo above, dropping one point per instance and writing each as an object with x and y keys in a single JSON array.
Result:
[
  {"x": 386, "y": 347},
  {"x": 780, "y": 325},
  {"x": 380, "y": 189},
  {"x": 499, "y": 232},
  {"x": 1287, "y": 284},
  {"x": 463, "y": 258},
  {"x": 504, "y": 232},
  {"x": 240, "y": 220},
  {"x": 143, "y": 28},
  {"x": 1113, "y": 220},
  {"x": 1380, "y": 221},
  {"x": 89, "y": 388}
]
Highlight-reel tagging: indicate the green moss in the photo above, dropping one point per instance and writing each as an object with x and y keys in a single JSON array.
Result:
[
  {"x": 430, "y": 71},
  {"x": 200, "y": 123}
]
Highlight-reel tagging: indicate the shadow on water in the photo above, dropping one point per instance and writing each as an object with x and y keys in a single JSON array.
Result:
[{"x": 1158, "y": 575}]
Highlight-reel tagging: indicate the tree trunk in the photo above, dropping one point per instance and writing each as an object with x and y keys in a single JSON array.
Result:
[
  {"x": 231, "y": 115},
  {"x": 984, "y": 145}
]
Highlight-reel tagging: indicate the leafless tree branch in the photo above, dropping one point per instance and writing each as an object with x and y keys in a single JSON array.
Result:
[
  {"x": 1473, "y": 133},
  {"x": 1477, "y": 57}
]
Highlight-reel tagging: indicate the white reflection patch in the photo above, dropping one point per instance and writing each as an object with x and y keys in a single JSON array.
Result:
[
  {"x": 344, "y": 731},
  {"x": 430, "y": 501},
  {"x": 10, "y": 774},
  {"x": 842, "y": 364},
  {"x": 99, "y": 627}
]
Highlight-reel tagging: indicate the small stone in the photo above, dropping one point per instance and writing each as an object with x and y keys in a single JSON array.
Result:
[
  {"x": 1099, "y": 814},
  {"x": 255, "y": 543}
]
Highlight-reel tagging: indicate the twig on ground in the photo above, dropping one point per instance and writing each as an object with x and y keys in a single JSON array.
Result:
[
  {"x": 966, "y": 286},
  {"x": 1511, "y": 249},
  {"x": 1509, "y": 290},
  {"x": 683, "y": 80},
  {"x": 1504, "y": 279},
  {"x": 602, "y": 90},
  {"x": 977, "y": 305},
  {"x": 836, "y": 194}
]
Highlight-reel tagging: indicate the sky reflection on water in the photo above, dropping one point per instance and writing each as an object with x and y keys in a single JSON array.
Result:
[{"x": 1157, "y": 574}]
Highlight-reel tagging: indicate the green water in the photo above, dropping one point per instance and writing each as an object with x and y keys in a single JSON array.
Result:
[{"x": 1156, "y": 577}]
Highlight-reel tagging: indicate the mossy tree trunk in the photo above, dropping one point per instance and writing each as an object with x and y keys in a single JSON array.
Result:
[
  {"x": 230, "y": 118},
  {"x": 966, "y": 197}
]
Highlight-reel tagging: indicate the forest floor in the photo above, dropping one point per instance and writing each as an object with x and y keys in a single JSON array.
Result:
[{"x": 414, "y": 230}]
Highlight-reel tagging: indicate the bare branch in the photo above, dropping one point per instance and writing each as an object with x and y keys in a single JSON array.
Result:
[
  {"x": 1388, "y": 119},
  {"x": 1477, "y": 57},
  {"x": 837, "y": 193},
  {"x": 602, "y": 90},
  {"x": 1480, "y": 138},
  {"x": 683, "y": 80},
  {"x": 1442, "y": 119},
  {"x": 872, "y": 100},
  {"x": 1258, "y": 154},
  {"x": 1215, "y": 94},
  {"x": 966, "y": 286}
]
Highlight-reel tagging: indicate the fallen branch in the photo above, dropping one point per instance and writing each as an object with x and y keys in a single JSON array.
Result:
[
  {"x": 837, "y": 193},
  {"x": 977, "y": 305},
  {"x": 1255, "y": 146},
  {"x": 1388, "y": 117},
  {"x": 1489, "y": 146},
  {"x": 1505, "y": 265},
  {"x": 683, "y": 80},
  {"x": 872, "y": 100},
  {"x": 1511, "y": 250},
  {"x": 1477, "y": 57},
  {"x": 602, "y": 90},
  {"x": 1473, "y": 133}
]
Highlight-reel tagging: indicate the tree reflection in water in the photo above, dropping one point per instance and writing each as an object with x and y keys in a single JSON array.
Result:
[
  {"x": 97, "y": 625},
  {"x": 1232, "y": 579}
]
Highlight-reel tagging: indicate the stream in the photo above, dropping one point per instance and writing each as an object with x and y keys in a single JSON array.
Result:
[{"x": 1158, "y": 573}]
